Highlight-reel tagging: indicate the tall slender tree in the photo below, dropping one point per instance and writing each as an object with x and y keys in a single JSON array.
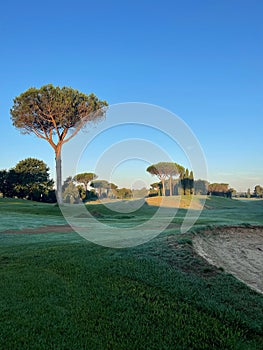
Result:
[
  {"x": 56, "y": 115},
  {"x": 185, "y": 181},
  {"x": 191, "y": 182}
]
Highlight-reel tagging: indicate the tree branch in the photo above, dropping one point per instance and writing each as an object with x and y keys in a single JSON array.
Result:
[{"x": 74, "y": 132}]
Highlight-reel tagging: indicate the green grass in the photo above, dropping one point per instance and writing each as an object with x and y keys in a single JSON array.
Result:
[
  {"x": 58, "y": 291},
  {"x": 19, "y": 214}
]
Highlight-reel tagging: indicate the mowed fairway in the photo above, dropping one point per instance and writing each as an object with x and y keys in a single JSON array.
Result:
[{"x": 59, "y": 291}]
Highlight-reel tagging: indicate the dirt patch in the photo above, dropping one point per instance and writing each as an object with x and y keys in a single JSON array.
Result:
[
  {"x": 43, "y": 229},
  {"x": 238, "y": 250}
]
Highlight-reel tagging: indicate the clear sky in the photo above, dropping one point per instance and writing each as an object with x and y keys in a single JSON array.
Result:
[{"x": 202, "y": 60}]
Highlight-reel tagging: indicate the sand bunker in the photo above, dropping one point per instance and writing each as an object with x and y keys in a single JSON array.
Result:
[{"x": 239, "y": 250}]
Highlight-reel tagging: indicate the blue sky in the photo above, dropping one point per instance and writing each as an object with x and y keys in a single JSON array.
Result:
[{"x": 202, "y": 60}]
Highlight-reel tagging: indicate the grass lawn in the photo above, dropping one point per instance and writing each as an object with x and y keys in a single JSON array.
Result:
[{"x": 59, "y": 291}]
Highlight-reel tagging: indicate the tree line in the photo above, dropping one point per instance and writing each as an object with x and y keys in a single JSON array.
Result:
[
  {"x": 177, "y": 180},
  {"x": 30, "y": 179},
  {"x": 56, "y": 115},
  {"x": 174, "y": 179},
  {"x": 85, "y": 186}
]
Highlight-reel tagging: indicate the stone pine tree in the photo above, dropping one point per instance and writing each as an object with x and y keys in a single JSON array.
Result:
[
  {"x": 175, "y": 170},
  {"x": 112, "y": 189},
  {"x": 85, "y": 179},
  {"x": 56, "y": 115},
  {"x": 162, "y": 171},
  {"x": 101, "y": 185},
  {"x": 165, "y": 171}
]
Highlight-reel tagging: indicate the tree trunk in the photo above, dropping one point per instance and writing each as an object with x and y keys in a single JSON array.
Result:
[
  {"x": 163, "y": 189},
  {"x": 59, "y": 177},
  {"x": 171, "y": 187}
]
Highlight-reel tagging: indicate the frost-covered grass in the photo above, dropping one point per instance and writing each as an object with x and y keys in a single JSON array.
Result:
[
  {"x": 58, "y": 291},
  {"x": 19, "y": 214},
  {"x": 14, "y": 221}
]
